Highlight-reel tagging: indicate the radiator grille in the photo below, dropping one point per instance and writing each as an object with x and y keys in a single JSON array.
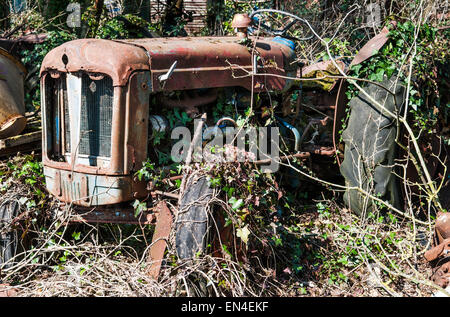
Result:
[
  {"x": 96, "y": 116},
  {"x": 63, "y": 84}
]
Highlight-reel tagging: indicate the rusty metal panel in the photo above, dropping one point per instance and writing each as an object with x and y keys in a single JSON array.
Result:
[
  {"x": 112, "y": 214},
  {"x": 91, "y": 190},
  {"x": 136, "y": 126},
  {"x": 12, "y": 107},
  {"x": 160, "y": 238},
  {"x": 438, "y": 255},
  {"x": 25, "y": 42},
  {"x": 216, "y": 62},
  {"x": 202, "y": 62},
  {"x": 118, "y": 60},
  {"x": 371, "y": 47}
]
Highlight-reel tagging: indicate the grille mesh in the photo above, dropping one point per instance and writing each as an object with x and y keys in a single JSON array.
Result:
[{"x": 96, "y": 116}]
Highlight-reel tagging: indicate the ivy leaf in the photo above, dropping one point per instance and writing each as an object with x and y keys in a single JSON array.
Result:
[
  {"x": 139, "y": 207},
  {"x": 236, "y": 203},
  {"x": 378, "y": 76},
  {"x": 23, "y": 200},
  {"x": 76, "y": 235},
  {"x": 356, "y": 68},
  {"x": 243, "y": 233}
]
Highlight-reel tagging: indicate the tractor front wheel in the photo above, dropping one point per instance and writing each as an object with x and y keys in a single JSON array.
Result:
[
  {"x": 8, "y": 235},
  {"x": 191, "y": 225}
]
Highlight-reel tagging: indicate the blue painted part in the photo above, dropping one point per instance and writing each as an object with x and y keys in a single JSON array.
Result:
[
  {"x": 294, "y": 131},
  {"x": 286, "y": 42},
  {"x": 57, "y": 129},
  {"x": 287, "y": 125},
  {"x": 255, "y": 21}
]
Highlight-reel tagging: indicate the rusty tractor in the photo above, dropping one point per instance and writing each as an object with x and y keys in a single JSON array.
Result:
[{"x": 103, "y": 101}]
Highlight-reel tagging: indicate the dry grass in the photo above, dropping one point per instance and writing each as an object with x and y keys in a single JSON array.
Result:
[{"x": 107, "y": 261}]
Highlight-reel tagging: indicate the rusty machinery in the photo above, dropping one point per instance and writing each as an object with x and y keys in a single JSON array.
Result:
[{"x": 102, "y": 99}]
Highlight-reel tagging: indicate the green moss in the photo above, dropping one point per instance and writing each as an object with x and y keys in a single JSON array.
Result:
[{"x": 321, "y": 83}]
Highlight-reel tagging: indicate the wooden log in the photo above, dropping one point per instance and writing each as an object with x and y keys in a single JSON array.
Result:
[
  {"x": 20, "y": 139},
  {"x": 24, "y": 148},
  {"x": 22, "y": 143}
]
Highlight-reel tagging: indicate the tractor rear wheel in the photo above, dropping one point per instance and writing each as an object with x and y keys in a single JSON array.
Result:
[{"x": 370, "y": 149}]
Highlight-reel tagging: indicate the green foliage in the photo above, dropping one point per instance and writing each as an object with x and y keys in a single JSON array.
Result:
[
  {"x": 223, "y": 108},
  {"x": 250, "y": 199},
  {"x": 221, "y": 13},
  {"x": 119, "y": 27},
  {"x": 26, "y": 170},
  {"x": 54, "y": 39},
  {"x": 139, "y": 207},
  {"x": 147, "y": 172},
  {"x": 33, "y": 60},
  {"x": 347, "y": 244},
  {"x": 178, "y": 118},
  {"x": 56, "y": 12},
  {"x": 176, "y": 29},
  {"x": 428, "y": 99},
  {"x": 22, "y": 180}
]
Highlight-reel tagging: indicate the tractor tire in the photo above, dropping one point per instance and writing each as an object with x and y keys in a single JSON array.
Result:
[
  {"x": 370, "y": 149},
  {"x": 8, "y": 236},
  {"x": 191, "y": 226}
]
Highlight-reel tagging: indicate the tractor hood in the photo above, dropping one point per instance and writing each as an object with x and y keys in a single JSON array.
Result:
[
  {"x": 118, "y": 60},
  {"x": 202, "y": 62}
]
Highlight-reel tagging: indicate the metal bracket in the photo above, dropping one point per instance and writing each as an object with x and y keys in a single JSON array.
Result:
[
  {"x": 166, "y": 76},
  {"x": 159, "y": 241}
]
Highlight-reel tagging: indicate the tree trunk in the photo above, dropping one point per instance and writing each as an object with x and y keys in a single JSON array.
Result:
[
  {"x": 4, "y": 17},
  {"x": 140, "y": 8},
  {"x": 214, "y": 16},
  {"x": 173, "y": 10}
]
